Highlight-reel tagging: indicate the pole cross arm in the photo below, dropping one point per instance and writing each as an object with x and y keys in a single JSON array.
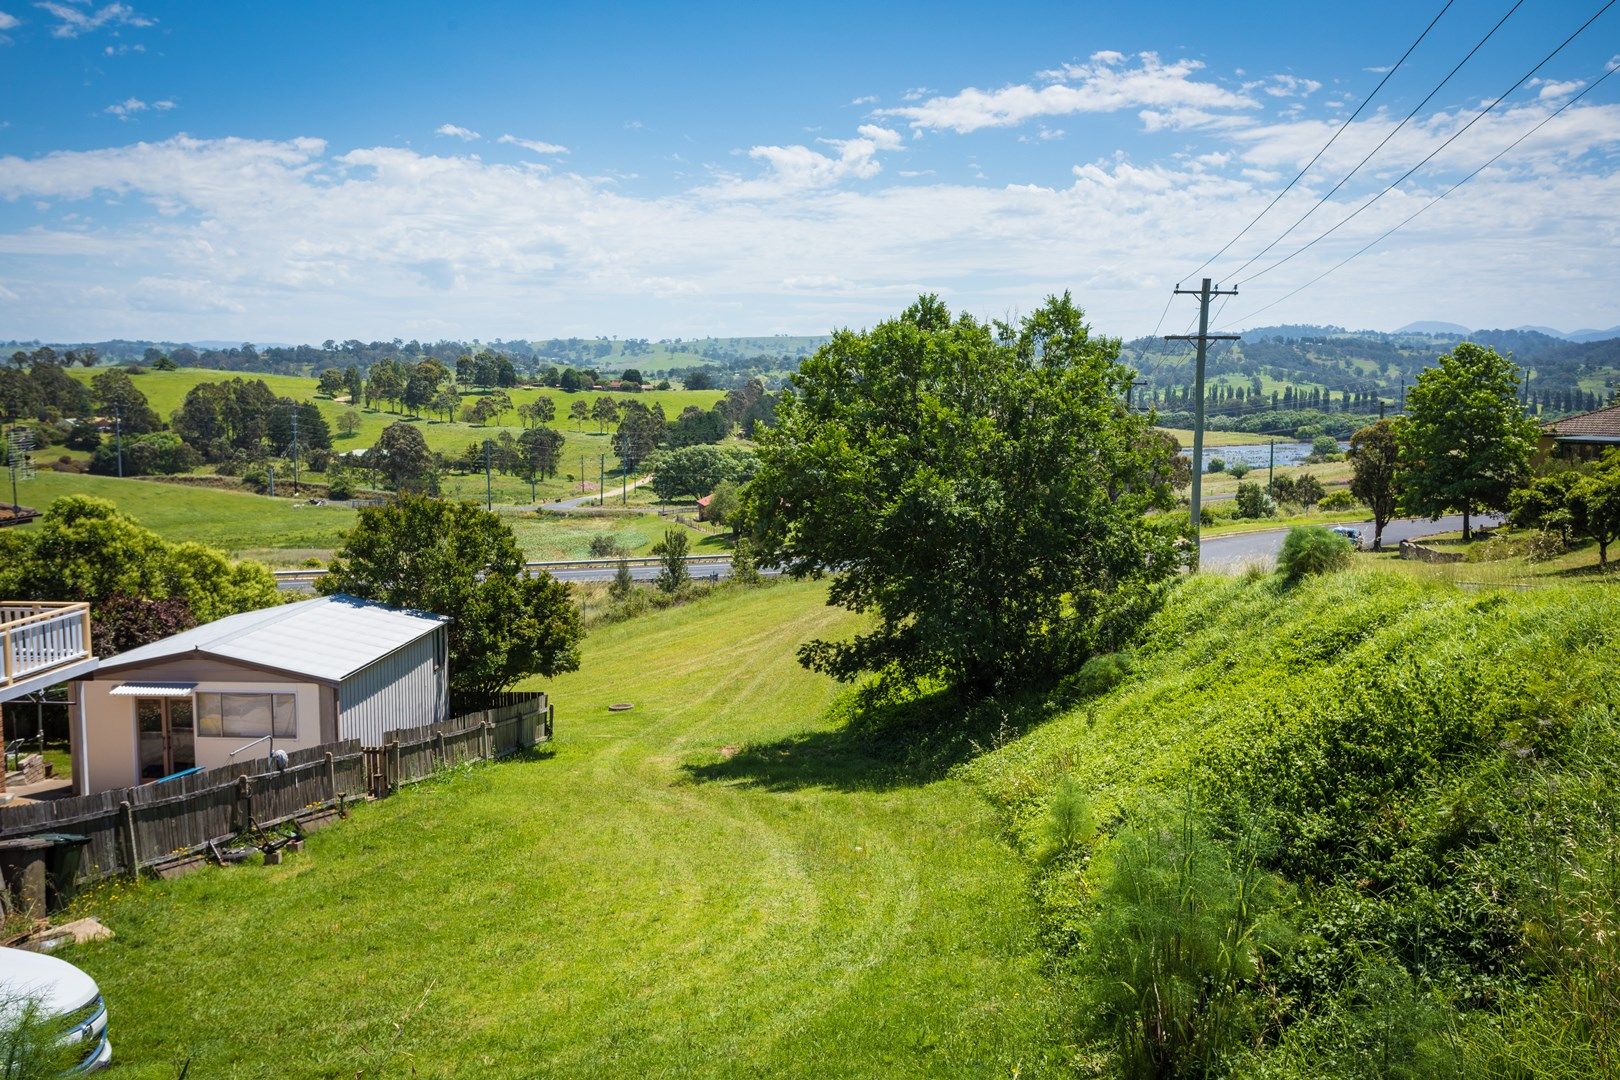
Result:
[
  {"x": 1179, "y": 291},
  {"x": 1203, "y": 337}
]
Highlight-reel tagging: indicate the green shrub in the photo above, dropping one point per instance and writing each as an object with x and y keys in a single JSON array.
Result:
[
  {"x": 1325, "y": 448},
  {"x": 1337, "y": 500},
  {"x": 1099, "y": 675},
  {"x": 605, "y": 545},
  {"x": 1239, "y": 469},
  {"x": 1184, "y": 925},
  {"x": 1311, "y": 549},
  {"x": 1069, "y": 822},
  {"x": 1253, "y": 502},
  {"x": 1216, "y": 465},
  {"x": 340, "y": 487},
  {"x": 31, "y": 1046}
]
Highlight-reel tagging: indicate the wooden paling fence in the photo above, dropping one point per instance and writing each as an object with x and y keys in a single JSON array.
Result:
[
  {"x": 130, "y": 829},
  {"x": 513, "y": 722}
]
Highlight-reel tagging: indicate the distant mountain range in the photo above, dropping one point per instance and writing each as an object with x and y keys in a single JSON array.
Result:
[{"x": 1447, "y": 329}]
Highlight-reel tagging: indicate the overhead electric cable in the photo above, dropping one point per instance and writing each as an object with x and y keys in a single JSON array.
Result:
[
  {"x": 1433, "y": 153},
  {"x": 1382, "y": 142},
  {"x": 1317, "y": 156},
  {"x": 1386, "y": 234}
]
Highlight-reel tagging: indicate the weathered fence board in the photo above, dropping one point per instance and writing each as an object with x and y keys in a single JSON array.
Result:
[{"x": 132, "y": 828}]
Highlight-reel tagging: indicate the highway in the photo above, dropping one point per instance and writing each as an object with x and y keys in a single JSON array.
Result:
[{"x": 1228, "y": 552}]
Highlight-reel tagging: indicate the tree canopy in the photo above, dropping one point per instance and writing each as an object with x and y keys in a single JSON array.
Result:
[
  {"x": 458, "y": 560},
  {"x": 85, "y": 549},
  {"x": 695, "y": 471},
  {"x": 401, "y": 455},
  {"x": 1374, "y": 455},
  {"x": 981, "y": 489},
  {"x": 1466, "y": 443}
]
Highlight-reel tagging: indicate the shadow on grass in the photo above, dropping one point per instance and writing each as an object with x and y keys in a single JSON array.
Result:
[{"x": 879, "y": 743}]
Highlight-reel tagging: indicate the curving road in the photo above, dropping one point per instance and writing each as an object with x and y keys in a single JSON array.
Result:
[{"x": 1243, "y": 549}]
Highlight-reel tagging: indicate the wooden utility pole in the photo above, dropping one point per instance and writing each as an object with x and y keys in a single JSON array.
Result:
[{"x": 1204, "y": 293}]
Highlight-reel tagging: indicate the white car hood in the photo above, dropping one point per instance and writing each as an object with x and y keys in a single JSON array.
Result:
[{"x": 58, "y": 986}]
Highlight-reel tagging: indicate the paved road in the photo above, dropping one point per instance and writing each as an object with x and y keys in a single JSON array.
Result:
[
  {"x": 1218, "y": 553},
  {"x": 1240, "y": 549}
]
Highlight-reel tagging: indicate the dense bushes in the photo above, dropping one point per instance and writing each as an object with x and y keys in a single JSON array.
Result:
[
  {"x": 1311, "y": 549},
  {"x": 1433, "y": 773}
]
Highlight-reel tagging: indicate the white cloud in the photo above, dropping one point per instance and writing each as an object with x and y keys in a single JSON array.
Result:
[
  {"x": 291, "y": 240},
  {"x": 865, "y": 99},
  {"x": 1288, "y": 86},
  {"x": 127, "y": 108},
  {"x": 1101, "y": 85},
  {"x": 916, "y": 93},
  {"x": 123, "y": 49},
  {"x": 1551, "y": 89},
  {"x": 71, "y": 21},
  {"x": 9, "y": 21},
  {"x": 532, "y": 145},
  {"x": 456, "y": 131}
]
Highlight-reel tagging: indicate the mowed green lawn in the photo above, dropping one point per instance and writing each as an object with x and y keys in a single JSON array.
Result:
[{"x": 618, "y": 907}]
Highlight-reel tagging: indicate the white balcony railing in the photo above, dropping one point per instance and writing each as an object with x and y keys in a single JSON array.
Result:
[{"x": 36, "y": 636}]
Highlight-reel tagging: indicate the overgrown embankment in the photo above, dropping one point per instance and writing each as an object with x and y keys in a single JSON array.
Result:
[{"x": 1400, "y": 799}]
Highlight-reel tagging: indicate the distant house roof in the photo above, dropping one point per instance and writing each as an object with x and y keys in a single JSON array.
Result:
[
  {"x": 326, "y": 639},
  {"x": 1600, "y": 425},
  {"x": 707, "y": 499}
]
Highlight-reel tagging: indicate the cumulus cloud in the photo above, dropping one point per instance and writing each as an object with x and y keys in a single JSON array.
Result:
[
  {"x": 532, "y": 145},
  {"x": 293, "y": 240},
  {"x": 456, "y": 131},
  {"x": 72, "y": 21},
  {"x": 9, "y": 21},
  {"x": 127, "y": 108},
  {"x": 1105, "y": 83}
]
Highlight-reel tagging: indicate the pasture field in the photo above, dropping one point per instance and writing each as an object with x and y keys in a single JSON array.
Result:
[
  {"x": 286, "y": 532},
  {"x": 587, "y": 452},
  {"x": 722, "y": 881}
]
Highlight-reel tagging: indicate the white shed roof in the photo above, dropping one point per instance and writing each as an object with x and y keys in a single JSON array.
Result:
[{"x": 326, "y": 639}]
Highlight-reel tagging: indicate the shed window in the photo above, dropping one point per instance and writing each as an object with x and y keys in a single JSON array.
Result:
[{"x": 247, "y": 716}]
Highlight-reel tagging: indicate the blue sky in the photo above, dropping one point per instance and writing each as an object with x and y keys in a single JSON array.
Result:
[{"x": 296, "y": 172}]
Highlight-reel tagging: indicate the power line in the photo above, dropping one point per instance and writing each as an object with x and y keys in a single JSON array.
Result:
[
  {"x": 1335, "y": 137},
  {"x": 1382, "y": 142},
  {"x": 1436, "y": 151},
  {"x": 1386, "y": 234}
]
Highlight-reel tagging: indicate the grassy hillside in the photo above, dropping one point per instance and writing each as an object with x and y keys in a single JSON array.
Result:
[
  {"x": 587, "y": 447},
  {"x": 1429, "y": 773},
  {"x": 616, "y": 906}
]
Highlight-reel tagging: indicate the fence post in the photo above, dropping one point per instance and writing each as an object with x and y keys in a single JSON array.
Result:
[
  {"x": 244, "y": 803},
  {"x": 126, "y": 828},
  {"x": 486, "y": 740},
  {"x": 393, "y": 766},
  {"x": 331, "y": 777},
  {"x": 438, "y": 745}
]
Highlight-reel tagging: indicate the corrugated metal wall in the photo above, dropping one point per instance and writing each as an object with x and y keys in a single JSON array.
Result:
[{"x": 406, "y": 688}]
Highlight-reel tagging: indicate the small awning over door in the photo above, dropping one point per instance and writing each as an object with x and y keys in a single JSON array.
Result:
[{"x": 154, "y": 689}]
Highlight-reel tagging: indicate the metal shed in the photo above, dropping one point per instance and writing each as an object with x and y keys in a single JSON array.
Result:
[{"x": 332, "y": 668}]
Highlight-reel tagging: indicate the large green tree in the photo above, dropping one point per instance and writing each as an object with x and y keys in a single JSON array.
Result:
[
  {"x": 117, "y": 395},
  {"x": 458, "y": 560},
  {"x": 1374, "y": 454},
  {"x": 980, "y": 489},
  {"x": 1466, "y": 443},
  {"x": 1594, "y": 504},
  {"x": 694, "y": 471},
  {"x": 401, "y": 455}
]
